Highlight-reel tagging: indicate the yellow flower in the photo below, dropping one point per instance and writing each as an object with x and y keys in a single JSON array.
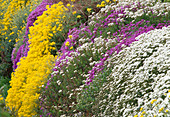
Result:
[
  {"x": 71, "y": 47},
  {"x": 88, "y": 9},
  {"x": 74, "y": 12},
  {"x": 54, "y": 28},
  {"x": 72, "y": 0},
  {"x": 107, "y": 1},
  {"x": 47, "y": 7},
  {"x": 169, "y": 90},
  {"x": 143, "y": 112},
  {"x": 98, "y": 5},
  {"x": 70, "y": 36},
  {"x": 154, "y": 116},
  {"x": 3, "y": 33},
  {"x": 153, "y": 101},
  {"x": 67, "y": 44},
  {"x": 30, "y": 10},
  {"x": 11, "y": 33},
  {"x": 136, "y": 116},
  {"x": 103, "y": 2},
  {"x": 166, "y": 111},
  {"x": 10, "y": 40},
  {"x": 6, "y": 37},
  {"x": 64, "y": 16},
  {"x": 141, "y": 108},
  {"x": 53, "y": 43},
  {"x": 50, "y": 34},
  {"x": 78, "y": 16},
  {"x": 72, "y": 5},
  {"x": 16, "y": 40},
  {"x": 1, "y": 98},
  {"x": 68, "y": 5},
  {"x": 161, "y": 109}
]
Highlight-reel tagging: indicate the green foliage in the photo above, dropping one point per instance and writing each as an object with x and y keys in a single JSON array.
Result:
[
  {"x": 165, "y": 0},
  {"x": 5, "y": 56},
  {"x": 3, "y": 109},
  {"x": 4, "y": 86},
  {"x": 4, "y": 113},
  {"x": 61, "y": 92},
  {"x": 86, "y": 99}
]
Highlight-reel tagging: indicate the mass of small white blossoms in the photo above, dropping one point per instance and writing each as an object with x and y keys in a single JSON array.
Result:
[
  {"x": 140, "y": 80},
  {"x": 157, "y": 8}
]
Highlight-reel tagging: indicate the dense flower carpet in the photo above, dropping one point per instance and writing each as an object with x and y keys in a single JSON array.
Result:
[{"x": 75, "y": 58}]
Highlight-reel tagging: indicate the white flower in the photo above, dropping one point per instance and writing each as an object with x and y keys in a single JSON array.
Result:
[
  {"x": 58, "y": 82},
  {"x": 60, "y": 91},
  {"x": 108, "y": 33}
]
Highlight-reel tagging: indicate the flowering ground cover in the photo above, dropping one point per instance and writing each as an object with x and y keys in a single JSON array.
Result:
[{"x": 91, "y": 58}]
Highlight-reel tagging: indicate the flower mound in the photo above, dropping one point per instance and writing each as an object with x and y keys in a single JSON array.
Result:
[{"x": 140, "y": 74}]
